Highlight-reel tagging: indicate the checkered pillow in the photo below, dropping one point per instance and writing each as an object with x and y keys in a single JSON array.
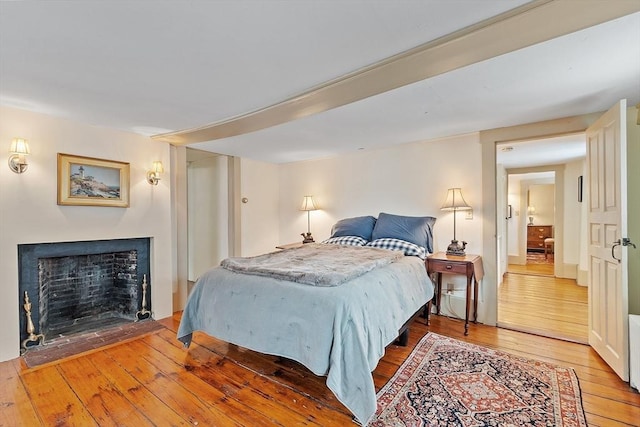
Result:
[
  {"x": 409, "y": 249},
  {"x": 346, "y": 240}
]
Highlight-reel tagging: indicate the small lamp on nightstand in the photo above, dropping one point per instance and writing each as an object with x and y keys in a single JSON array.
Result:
[
  {"x": 455, "y": 202},
  {"x": 308, "y": 205}
]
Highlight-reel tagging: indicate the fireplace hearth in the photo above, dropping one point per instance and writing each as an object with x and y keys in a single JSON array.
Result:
[{"x": 80, "y": 287}]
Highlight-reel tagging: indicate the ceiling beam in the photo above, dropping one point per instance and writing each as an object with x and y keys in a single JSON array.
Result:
[{"x": 529, "y": 24}]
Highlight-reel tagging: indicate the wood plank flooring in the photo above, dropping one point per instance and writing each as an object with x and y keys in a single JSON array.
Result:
[
  {"x": 153, "y": 381},
  {"x": 543, "y": 305}
]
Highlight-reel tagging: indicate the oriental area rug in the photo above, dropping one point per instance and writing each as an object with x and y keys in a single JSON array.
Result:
[{"x": 446, "y": 382}]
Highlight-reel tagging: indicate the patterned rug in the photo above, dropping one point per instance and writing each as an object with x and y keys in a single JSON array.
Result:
[
  {"x": 539, "y": 258},
  {"x": 446, "y": 382}
]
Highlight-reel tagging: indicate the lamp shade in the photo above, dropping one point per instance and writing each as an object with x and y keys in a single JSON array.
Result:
[
  {"x": 308, "y": 204},
  {"x": 455, "y": 201},
  {"x": 19, "y": 146},
  {"x": 157, "y": 167}
]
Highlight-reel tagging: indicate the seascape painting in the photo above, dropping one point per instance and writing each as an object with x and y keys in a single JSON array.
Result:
[{"x": 94, "y": 181}]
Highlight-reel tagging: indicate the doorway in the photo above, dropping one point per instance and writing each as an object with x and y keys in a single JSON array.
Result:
[
  {"x": 207, "y": 211},
  {"x": 531, "y": 229},
  {"x": 539, "y": 292}
]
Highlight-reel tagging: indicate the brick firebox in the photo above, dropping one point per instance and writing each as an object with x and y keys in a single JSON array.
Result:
[{"x": 75, "y": 287}]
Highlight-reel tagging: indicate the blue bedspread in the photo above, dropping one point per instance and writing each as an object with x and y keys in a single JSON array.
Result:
[{"x": 340, "y": 332}]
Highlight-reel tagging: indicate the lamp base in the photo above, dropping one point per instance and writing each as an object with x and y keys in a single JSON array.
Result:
[
  {"x": 307, "y": 237},
  {"x": 456, "y": 248}
]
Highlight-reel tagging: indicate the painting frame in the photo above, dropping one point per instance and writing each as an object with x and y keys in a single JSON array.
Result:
[{"x": 89, "y": 181}]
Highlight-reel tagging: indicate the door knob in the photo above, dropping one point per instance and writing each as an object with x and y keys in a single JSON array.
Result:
[{"x": 625, "y": 241}]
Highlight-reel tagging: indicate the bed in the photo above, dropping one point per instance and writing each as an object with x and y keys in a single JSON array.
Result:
[{"x": 333, "y": 322}]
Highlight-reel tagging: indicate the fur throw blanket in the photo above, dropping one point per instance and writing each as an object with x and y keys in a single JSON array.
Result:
[{"x": 314, "y": 263}]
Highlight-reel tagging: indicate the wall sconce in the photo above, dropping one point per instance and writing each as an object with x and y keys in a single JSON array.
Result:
[
  {"x": 19, "y": 149},
  {"x": 153, "y": 176}
]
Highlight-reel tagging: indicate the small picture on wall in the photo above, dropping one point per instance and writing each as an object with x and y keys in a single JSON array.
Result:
[
  {"x": 580, "y": 189},
  {"x": 87, "y": 181}
]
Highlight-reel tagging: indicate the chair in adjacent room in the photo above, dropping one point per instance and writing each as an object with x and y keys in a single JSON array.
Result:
[{"x": 548, "y": 246}]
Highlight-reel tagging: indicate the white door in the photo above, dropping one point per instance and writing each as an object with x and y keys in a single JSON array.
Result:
[{"x": 607, "y": 224}]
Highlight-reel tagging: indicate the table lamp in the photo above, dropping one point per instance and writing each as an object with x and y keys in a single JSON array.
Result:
[{"x": 455, "y": 202}]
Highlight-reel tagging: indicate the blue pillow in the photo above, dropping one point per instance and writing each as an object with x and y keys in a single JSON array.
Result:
[
  {"x": 414, "y": 229},
  {"x": 359, "y": 226}
]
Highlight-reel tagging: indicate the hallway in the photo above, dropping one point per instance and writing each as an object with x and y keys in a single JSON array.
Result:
[{"x": 531, "y": 300}]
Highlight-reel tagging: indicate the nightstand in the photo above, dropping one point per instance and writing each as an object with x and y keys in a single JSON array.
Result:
[{"x": 469, "y": 266}]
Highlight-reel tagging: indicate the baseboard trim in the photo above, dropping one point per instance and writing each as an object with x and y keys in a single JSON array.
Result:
[
  {"x": 570, "y": 271},
  {"x": 583, "y": 278}
]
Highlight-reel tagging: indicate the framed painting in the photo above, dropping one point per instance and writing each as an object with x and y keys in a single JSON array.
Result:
[{"x": 87, "y": 181}]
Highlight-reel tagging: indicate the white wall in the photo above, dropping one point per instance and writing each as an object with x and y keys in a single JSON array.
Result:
[
  {"x": 514, "y": 223},
  {"x": 573, "y": 218},
  {"x": 502, "y": 224},
  {"x": 542, "y": 197},
  {"x": 409, "y": 179},
  {"x": 29, "y": 213},
  {"x": 208, "y": 213}
]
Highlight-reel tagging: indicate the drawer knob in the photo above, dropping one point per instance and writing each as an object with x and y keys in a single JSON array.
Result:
[{"x": 449, "y": 267}]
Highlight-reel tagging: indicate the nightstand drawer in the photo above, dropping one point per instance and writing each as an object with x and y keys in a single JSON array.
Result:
[
  {"x": 453, "y": 268},
  {"x": 447, "y": 267}
]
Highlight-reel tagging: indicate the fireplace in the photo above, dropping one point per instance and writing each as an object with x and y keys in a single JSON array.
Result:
[{"x": 77, "y": 287}]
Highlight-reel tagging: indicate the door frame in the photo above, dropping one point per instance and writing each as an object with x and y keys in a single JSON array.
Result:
[
  {"x": 179, "y": 221},
  {"x": 489, "y": 139},
  {"x": 558, "y": 217}
]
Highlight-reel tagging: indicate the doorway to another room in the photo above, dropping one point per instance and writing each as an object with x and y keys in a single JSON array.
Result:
[
  {"x": 539, "y": 292},
  {"x": 533, "y": 194},
  {"x": 207, "y": 211}
]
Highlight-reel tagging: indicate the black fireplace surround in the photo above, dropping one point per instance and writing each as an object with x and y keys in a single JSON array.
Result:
[{"x": 94, "y": 280}]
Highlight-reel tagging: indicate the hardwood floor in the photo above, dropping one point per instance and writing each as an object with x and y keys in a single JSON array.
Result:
[
  {"x": 530, "y": 299},
  {"x": 152, "y": 380}
]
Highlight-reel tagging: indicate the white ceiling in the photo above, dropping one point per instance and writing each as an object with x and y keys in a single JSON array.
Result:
[
  {"x": 163, "y": 66},
  {"x": 542, "y": 152}
]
